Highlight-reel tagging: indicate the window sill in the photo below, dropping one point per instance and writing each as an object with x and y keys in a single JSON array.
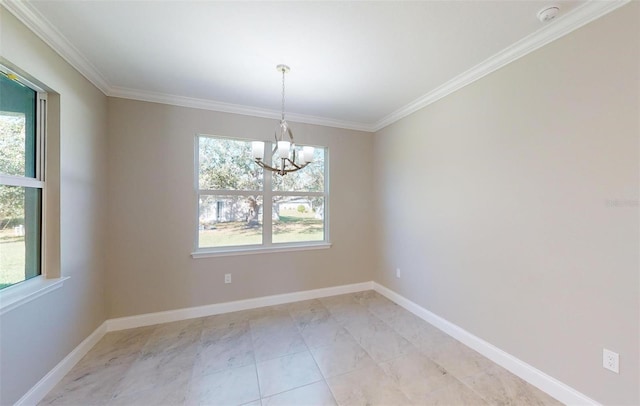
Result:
[
  {"x": 24, "y": 292},
  {"x": 259, "y": 250}
]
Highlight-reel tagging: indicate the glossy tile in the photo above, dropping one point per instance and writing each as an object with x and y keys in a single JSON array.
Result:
[
  {"x": 331, "y": 302},
  {"x": 500, "y": 387},
  {"x": 119, "y": 347},
  {"x": 95, "y": 378},
  {"x": 174, "y": 336},
  {"x": 348, "y": 349},
  {"x": 223, "y": 348},
  {"x": 369, "y": 386},
  {"x": 416, "y": 375},
  {"x": 272, "y": 324},
  {"x": 414, "y": 329},
  {"x": 171, "y": 393},
  {"x": 267, "y": 311},
  {"x": 288, "y": 372},
  {"x": 303, "y": 319},
  {"x": 234, "y": 386},
  {"x": 254, "y": 403},
  {"x": 342, "y": 357},
  {"x": 315, "y": 394},
  {"x": 277, "y": 344},
  {"x": 378, "y": 339},
  {"x": 458, "y": 359},
  {"x": 158, "y": 370},
  {"x": 374, "y": 301},
  {"x": 427, "y": 338},
  {"x": 322, "y": 332},
  {"x": 87, "y": 386},
  {"x": 386, "y": 311},
  {"x": 306, "y": 310},
  {"x": 454, "y": 394},
  {"x": 228, "y": 333},
  {"x": 346, "y": 313},
  {"x": 225, "y": 320}
]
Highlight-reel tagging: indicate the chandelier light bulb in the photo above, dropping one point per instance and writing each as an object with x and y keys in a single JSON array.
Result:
[
  {"x": 307, "y": 154},
  {"x": 283, "y": 149},
  {"x": 257, "y": 149}
]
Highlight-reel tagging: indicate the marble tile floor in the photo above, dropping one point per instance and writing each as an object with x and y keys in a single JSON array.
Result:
[{"x": 354, "y": 349}]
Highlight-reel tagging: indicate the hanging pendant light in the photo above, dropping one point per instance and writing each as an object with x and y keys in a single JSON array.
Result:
[{"x": 287, "y": 158}]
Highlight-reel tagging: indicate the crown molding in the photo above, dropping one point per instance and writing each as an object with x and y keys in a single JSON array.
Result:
[
  {"x": 30, "y": 17},
  {"x": 562, "y": 26},
  {"x": 204, "y": 104}
]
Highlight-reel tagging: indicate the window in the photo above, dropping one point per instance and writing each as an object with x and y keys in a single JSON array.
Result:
[
  {"x": 22, "y": 111},
  {"x": 234, "y": 194}
]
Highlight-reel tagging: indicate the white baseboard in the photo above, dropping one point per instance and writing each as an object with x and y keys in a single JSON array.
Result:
[
  {"x": 149, "y": 319},
  {"x": 40, "y": 390},
  {"x": 51, "y": 379},
  {"x": 546, "y": 383},
  {"x": 535, "y": 377}
]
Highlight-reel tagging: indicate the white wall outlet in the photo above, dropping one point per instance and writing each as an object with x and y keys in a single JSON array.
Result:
[
  {"x": 397, "y": 272},
  {"x": 227, "y": 278},
  {"x": 610, "y": 360}
]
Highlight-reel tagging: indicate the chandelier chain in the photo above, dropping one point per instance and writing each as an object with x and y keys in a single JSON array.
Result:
[{"x": 283, "y": 71}]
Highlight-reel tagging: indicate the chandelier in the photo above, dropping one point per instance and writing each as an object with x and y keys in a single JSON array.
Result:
[{"x": 287, "y": 158}]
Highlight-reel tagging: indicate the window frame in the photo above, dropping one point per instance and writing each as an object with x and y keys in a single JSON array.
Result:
[
  {"x": 28, "y": 289},
  {"x": 267, "y": 193}
]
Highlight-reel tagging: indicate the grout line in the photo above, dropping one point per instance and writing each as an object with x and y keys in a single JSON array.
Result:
[
  {"x": 324, "y": 378},
  {"x": 255, "y": 361},
  {"x": 418, "y": 350},
  {"x": 299, "y": 329},
  {"x": 126, "y": 372}
]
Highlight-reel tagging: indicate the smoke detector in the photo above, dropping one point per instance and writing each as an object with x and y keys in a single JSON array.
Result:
[{"x": 547, "y": 14}]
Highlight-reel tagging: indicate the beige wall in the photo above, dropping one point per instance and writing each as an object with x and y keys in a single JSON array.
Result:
[
  {"x": 152, "y": 213},
  {"x": 511, "y": 207},
  {"x": 38, "y": 335}
]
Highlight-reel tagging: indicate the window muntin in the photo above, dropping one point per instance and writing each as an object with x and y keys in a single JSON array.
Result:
[
  {"x": 296, "y": 201},
  {"x": 21, "y": 180}
]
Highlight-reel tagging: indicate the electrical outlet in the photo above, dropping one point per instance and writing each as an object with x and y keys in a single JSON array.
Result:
[
  {"x": 227, "y": 278},
  {"x": 610, "y": 360},
  {"x": 397, "y": 272}
]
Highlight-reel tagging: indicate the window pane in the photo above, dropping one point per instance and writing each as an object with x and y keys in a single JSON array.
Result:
[
  {"x": 20, "y": 225},
  {"x": 309, "y": 179},
  {"x": 17, "y": 129},
  {"x": 230, "y": 220},
  {"x": 227, "y": 164},
  {"x": 298, "y": 218}
]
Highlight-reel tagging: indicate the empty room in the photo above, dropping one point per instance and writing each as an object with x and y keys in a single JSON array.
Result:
[{"x": 319, "y": 202}]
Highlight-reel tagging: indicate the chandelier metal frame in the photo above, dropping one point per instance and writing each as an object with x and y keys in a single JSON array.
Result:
[{"x": 286, "y": 148}]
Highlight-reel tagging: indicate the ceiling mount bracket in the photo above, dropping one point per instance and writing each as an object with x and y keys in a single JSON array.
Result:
[{"x": 283, "y": 68}]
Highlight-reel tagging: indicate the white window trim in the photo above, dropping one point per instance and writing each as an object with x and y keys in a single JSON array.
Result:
[
  {"x": 24, "y": 292},
  {"x": 258, "y": 249},
  {"x": 9, "y": 180},
  {"x": 267, "y": 245}
]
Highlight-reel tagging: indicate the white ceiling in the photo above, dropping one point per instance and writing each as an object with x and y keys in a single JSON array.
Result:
[{"x": 353, "y": 64}]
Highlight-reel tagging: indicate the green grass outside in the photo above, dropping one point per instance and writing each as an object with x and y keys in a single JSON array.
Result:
[
  {"x": 12, "y": 251},
  {"x": 293, "y": 226}
]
